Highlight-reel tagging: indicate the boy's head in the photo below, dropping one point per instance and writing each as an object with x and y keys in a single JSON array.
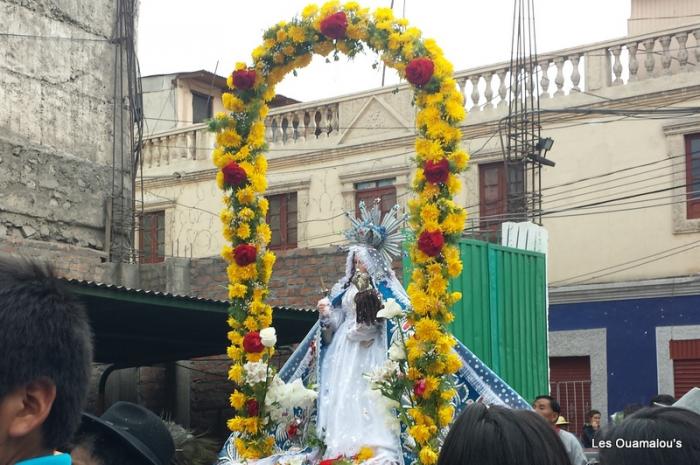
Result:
[{"x": 45, "y": 363}]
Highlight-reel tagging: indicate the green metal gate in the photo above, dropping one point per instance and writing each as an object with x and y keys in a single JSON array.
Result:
[{"x": 502, "y": 316}]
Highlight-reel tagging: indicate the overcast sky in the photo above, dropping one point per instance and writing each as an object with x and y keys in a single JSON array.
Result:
[{"x": 182, "y": 35}]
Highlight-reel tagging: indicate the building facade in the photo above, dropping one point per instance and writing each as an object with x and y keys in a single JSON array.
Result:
[{"x": 620, "y": 206}]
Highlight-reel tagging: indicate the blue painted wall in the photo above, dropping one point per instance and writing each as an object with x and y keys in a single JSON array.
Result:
[{"x": 631, "y": 339}]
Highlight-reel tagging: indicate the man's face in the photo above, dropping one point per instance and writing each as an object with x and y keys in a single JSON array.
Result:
[
  {"x": 544, "y": 408},
  {"x": 359, "y": 265},
  {"x": 595, "y": 421}
]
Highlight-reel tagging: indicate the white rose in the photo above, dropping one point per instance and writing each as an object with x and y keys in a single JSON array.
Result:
[
  {"x": 396, "y": 352},
  {"x": 268, "y": 337},
  {"x": 255, "y": 372},
  {"x": 391, "y": 310}
]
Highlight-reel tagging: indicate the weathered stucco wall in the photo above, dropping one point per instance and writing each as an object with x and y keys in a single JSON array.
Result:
[{"x": 56, "y": 104}]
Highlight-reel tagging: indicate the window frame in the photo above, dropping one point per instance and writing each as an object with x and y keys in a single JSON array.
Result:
[
  {"x": 380, "y": 188},
  {"x": 692, "y": 205},
  {"x": 156, "y": 254},
  {"x": 284, "y": 225},
  {"x": 210, "y": 101}
]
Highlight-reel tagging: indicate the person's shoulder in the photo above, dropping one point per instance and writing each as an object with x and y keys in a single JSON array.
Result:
[{"x": 568, "y": 435}]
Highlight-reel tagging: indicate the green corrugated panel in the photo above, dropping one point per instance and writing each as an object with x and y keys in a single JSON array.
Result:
[{"x": 502, "y": 314}]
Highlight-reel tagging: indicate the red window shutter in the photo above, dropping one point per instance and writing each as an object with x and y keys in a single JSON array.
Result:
[
  {"x": 686, "y": 365},
  {"x": 492, "y": 195},
  {"x": 570, "y": 384}
]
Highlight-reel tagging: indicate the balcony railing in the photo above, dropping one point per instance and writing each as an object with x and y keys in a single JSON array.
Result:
[{"x": 556, "y": 76}]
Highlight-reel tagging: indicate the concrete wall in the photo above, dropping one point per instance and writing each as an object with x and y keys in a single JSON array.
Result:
[
  {"x": 56, "y": 104},
  {"x": 159, "y": 103}
]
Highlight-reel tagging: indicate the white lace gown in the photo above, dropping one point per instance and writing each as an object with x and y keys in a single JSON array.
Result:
[{"x": 349, "y": 412}]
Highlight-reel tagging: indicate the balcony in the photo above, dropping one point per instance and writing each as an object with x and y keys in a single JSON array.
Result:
[{"x": 609, "y": 71}]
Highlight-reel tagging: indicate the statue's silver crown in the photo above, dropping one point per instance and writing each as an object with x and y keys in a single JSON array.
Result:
[{"x": 371, "y": 230}]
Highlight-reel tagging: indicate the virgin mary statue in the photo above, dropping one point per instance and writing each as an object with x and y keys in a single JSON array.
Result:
[{"x": 348, "y": 343}]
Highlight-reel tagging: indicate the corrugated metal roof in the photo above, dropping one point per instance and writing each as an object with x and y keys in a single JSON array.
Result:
[{"x": 165, "y": 295}]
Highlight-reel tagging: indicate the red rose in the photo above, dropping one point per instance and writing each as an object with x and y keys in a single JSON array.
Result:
[
  {"x": 252, "y": 343},
  {"x": 419, "y": 71},
  {"x": 330, "y": 461},
  {"x": 244, "y": 254},
  {"x": 436, "y": 171},
  {"x": 431, "y": 242},
  {"x": 292, "y": 430},
  {"x": 335, "y": 25},
  {"x": 419, "y": 387},
  {"x": 234, "y": 175},
  {"x": 252, "y": 407},
  {"x": 244, "y": 79}
]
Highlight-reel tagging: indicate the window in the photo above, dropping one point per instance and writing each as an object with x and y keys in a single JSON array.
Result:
[
  {"x": 492, "y": 195},
  {"x": 692, "y": 174},
  {"x": 570, "y": 384},
  {"x": 201, "y": 107},
  {"x": 382, "y": 189},
  {"x": 152, "y": 237},
  {"x": 282, "y": 218}
]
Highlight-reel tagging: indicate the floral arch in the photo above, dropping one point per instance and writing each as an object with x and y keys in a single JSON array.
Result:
[{"x": 436, "y": 220}]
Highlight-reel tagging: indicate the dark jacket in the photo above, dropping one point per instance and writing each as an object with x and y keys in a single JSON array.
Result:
[{"x": 587, "y": 436}]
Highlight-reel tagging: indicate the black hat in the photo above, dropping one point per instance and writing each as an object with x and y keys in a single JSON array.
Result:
[{"x": 137, "y": 427}]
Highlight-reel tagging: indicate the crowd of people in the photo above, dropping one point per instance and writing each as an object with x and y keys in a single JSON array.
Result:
[{"x": 45, "y": 370}]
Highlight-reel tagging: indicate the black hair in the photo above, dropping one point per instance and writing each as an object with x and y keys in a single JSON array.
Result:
[
  {"x": 629, "y": 409},
  {"x": 107, "y": 449},
  {"x": 590, "y": 414},
  {"x": 666, "y": 436},
  {"x": 663, "y": 399},
  {"x": 44, "y": 333},
  {"x": 553, "y": 403},
  {"x": 367, "y": 304},
  {"x": 501, "y": 436}
]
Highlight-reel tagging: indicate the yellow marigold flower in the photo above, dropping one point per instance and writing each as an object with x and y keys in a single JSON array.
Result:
[
  {"x": 265, "y": 321},
  {"x": 445, "y": 414},
  {"x": 237, "y": 400},
  {"x": 258, "y": 182},
  {"x": 235, "y": 424},
  {"x": 408, "y": 51},
  {"x": 227, "y": 253},
  {"x": 309, "y": 10},
  {"x": 429, "y": 149},
  {"x": 264, "y": 110},
  {"x": 365, "y": 453},
  {"x": 429, "y": 214},
  {"x": 261, "y": 164},
  {"x": 455, "y": 111},
  {"x": 412, "y": 33},
  {"x": 437, "y": 285},
  {"x": 232, "y": 103},
  {"x": 455, "y": 297},
  {"x": 329, "y": 7},
  {"x": 234, "y": 337},
  {"x": 402, "y": 22},
  {"x": 234, "y": 353},
  {"x": 356, "y": 32},
  {"x": 418, "y": 277},
  {"x": 233, "y": 323},
  {"x": 428, "y": 329},
  {"x": 453, "y": 363},
  {"x": 297, "y": 34},
  {"x": 264, "y": 233},
  {"x": 268, "y": 95},
  {"x": 281, "y": 35},
  {"x": 220, "y": 179},
  {"x": 443, "y": 68},
  {"x": 383, "y": 14},
  {"x": 228, "y": 233},
  {"x": 257, "y": 134},
  {"x": 245, "y": 195},
  {"x": 226, "y": 216},
  {"x": 454, "y": 185},
  {"x": 268, "y": 262},
  {"x": 428, "y": 116},
  {"x": 352, "y": 6},
  {"x": 229, "y": 79},
  {"x": 251, "y": 324},
  {"x": 240, "y": 65},
  {"x": 448, "y": 394},
  {"x": 259, "y": 293},
  {"x": 235, "y": 373},
  {"x": 228, "y": 138},
  {"x": 278, "y": 58},
  {"x": 413, "y": 374},
  {"x": 433, "y": 49},
  {"x": 243, "y": 231},
  {"x": 263, "y": 205},
  {"x": 289, "y": 50},
  {"x": 394, "y": 41},
  {"x": 253, "y": 357},
  {"x": 246, "y": 214},
  {"x": 460, "y": 159},
  {"x": 427, "y": 455},
  {"x": 237, "y": 291},
  {"x": 250, "y": 425},
  {"x": 420, "y": 433},
  {"x": 431, "y": 385}
]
